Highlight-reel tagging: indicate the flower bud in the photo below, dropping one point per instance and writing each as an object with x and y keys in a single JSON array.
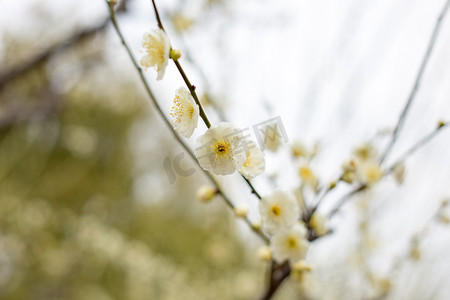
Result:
[
  {"x": 175, "y": 54},
  {"x": 264, "y": 253},
  {"x": 318, "y": 224},
  {"x": 348, "y": 176},
  {"x": 300, "y": 268},
  {"x": 332, "y": 185},
  {"x": 206, "y": 193},
  {"x": 298, "y": 150},
  {"x": 308, "y": 176},
  {"x": 399, "y": 173},
  {"x": 241, "y": 211}
]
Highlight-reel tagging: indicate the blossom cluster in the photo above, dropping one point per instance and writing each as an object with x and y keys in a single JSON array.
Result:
[
  {"x": 223, "y": 149},
  {"x": 280, "y": 217},
  {"x": 363, "y": 166}
]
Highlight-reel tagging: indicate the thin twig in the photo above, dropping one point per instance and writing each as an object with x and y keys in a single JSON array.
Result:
[
  {"x": 415, "y": 88},
  {"x": 186, "y": 54},
  {"x": 414, "y": 241},
  {"x": 158, "y": 19},
  {"x": 345, "y": 198},
  {"x": 310, "y": 213},
  {"x": 252, "y": 188},
  {"x": 416, "y": 146},
  {"x": 167, "y": 122},
  {"x": 193, "y": 93},
  {"x": 402, "y": 158}
]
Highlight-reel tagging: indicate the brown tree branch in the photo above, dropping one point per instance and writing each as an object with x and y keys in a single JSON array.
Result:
[{"x": 278, "y": 273}]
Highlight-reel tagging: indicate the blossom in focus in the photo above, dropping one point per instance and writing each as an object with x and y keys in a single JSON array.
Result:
[
  {"x": 290, "y": 244},
  {"x": 157, "y": 51},
  {"x": 221, "y": 149},
  {"x": 254, "y": 163},
  {"x": 184, "y": 113},
  {"x": 279, "y": 211}
]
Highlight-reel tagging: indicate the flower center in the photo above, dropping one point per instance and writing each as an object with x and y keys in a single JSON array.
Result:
[
  {"x": 220, "y": 148},
  {"x": 276, "y": 210},
  {"x": 306, "y": 174},
  {"x": 292, "y": 242}
]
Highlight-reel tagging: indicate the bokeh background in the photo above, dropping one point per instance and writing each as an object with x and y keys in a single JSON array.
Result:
[{"x": 87, "y": 210}]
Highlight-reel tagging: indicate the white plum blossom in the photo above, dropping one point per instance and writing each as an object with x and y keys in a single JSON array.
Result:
[
  {"x": 184, "y": 113},
  {"x": 221, "y": 149},
  {"x": 279, "y": 211},
  {"x": 254, "y": 163},
  {"x": 290, "y": 244},
  {"x": 156, "y": 45}
]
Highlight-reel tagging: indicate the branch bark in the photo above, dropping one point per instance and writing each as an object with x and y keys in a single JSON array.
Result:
[{"x": 278, "y": 273}]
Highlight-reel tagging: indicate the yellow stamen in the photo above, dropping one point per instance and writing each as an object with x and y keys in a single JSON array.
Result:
[
  {"x": 220, "y": 148},
  {"x": 276, "y": 210},
  {"x": 292, "y": 242}
]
